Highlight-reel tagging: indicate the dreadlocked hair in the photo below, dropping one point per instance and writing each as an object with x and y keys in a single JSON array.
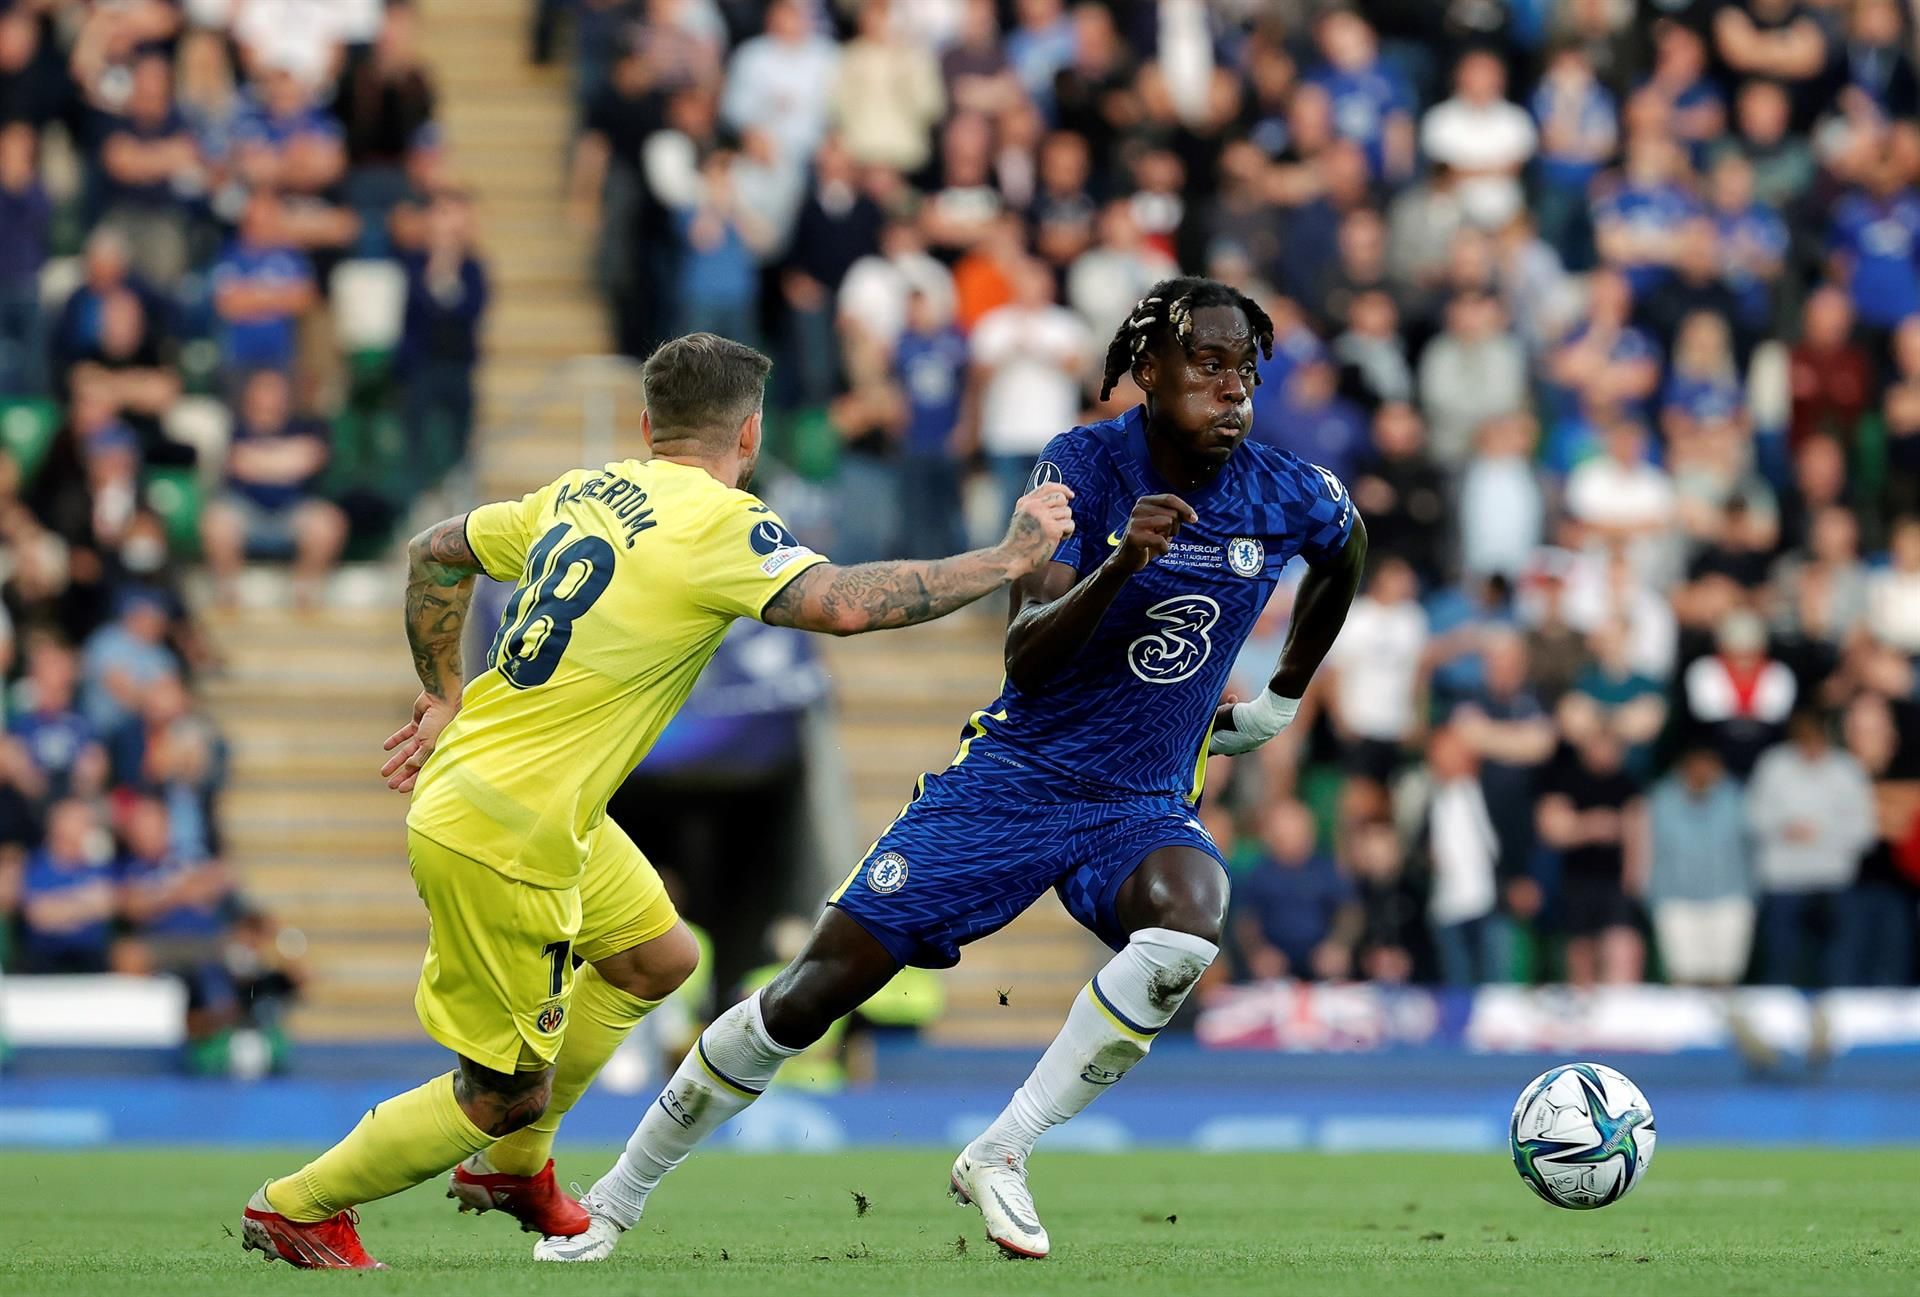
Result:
[{"x": 1166, "y": 312}]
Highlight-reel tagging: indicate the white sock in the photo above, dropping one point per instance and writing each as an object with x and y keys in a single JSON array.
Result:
[
  {"x": 1110, "y": 1028},
  {"x": 732, "y": 1062}
]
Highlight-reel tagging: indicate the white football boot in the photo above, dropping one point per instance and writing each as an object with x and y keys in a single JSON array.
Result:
[
  {"x": 998, "y": 1187},
  {"x": 596, "y": 1244}
]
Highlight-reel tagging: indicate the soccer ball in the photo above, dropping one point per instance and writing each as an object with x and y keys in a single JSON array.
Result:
[{"x": 1582, "y": 1136}]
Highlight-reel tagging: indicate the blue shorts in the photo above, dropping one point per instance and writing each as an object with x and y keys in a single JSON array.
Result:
[{"x": 981, "y": 842}]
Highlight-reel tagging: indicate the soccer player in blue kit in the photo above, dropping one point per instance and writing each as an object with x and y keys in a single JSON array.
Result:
[{"x": 1084, "y": 774}]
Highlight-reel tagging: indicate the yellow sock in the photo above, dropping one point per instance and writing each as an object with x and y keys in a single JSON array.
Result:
[
  {"x": 406, "y": 1140},
  {"x": 600, "y": 1016}
]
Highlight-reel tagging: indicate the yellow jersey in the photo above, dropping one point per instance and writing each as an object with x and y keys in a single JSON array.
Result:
[{"x": 625, "y": 581}]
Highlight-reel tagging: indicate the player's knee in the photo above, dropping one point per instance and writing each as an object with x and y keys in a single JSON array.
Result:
[{"x": 500, "y": 1103}]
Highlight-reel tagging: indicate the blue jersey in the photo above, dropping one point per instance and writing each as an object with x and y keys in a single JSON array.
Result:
[{"x": 1129, "y": 715}]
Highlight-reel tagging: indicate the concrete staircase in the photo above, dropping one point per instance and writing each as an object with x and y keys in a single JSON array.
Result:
[
  {"x": 317, "y": 838},
  {"x": 903, "y": 699}
]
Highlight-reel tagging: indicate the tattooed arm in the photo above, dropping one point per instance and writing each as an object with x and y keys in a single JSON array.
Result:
[
  {"x": 879, "y": 596},
  {"x": 440, "y": 571}
]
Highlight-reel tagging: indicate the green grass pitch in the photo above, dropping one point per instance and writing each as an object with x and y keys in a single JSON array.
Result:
[{"x": 157, "y": 1223}]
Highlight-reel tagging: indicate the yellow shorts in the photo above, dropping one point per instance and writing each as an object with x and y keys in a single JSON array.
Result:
[{"x": 500, "y": 952}]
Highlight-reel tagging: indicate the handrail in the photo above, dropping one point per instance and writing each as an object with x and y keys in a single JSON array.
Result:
[{"x": 596, "y": 381}]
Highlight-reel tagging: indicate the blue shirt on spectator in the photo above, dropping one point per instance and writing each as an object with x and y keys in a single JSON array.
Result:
[
  {"x": 47, "y": 877},
  {"x": 182, "y": 920},
  {"x": 54, "y": 740},
  {"x": 1662, "y": 208},
  {"x": 1593, "y": 111},
  {"x": 930, "y": 368},
  {"x": 154, "y": 193},
  {"x": 275, "y": 496},
  {"x": 1702, "y": 399},
  {"x": 726, "y": 275},
  {"x": 256, "y": 124},
  {"x": 25, "y": 216},
  {"x": 266, "y": 343},
  {"x": 1758, "y": 227},
  {"x": 1294, "y": 905},
  {"x": 1879, "y": 236},
  {"x": 1363, "y": 102},
  {"x": 437, "y": 328}
]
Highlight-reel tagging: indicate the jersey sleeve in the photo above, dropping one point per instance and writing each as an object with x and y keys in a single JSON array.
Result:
[
  {"x": 1076, "y": 459},
  {"x": 744, "y": 558},
  {"x": 499, "y": 534},
  {"x": 1325, "y": 517}
]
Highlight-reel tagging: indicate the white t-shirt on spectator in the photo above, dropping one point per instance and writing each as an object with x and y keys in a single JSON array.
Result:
[
  {"x": 873, "y": 296},
  {"x": 298, "y": 36},
  {"x": 1893, "y": 609},
  {"x": 1591, "y": 602},
  {"x": 1464, "y": 849},
  {"x": 1104, "y": 284},
  {"x": 1603, "y": 492},
  {"x": 1033, "y": 395},
  {"x": 782, "y": 89},
  {"x": 1496, "y": 136},
  {"x": 1501, "y": 515},
  {"x": 1378, "y": 661}
]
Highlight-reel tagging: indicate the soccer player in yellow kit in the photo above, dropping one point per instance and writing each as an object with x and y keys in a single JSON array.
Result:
[{"x": 626, "y": 579}]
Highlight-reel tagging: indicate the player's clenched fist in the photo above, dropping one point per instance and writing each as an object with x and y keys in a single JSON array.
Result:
[
  {"x": 1149, "y": 532},
  {"x": 1042, "y": 518}
]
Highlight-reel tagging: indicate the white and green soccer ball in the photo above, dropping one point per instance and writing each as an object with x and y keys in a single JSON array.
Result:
[{"x": 1582, "y": 1136}]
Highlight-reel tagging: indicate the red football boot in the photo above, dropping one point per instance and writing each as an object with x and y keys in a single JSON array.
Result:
[
  {"x": 330, "y": 1244},
  {"x": 536, "y": 1201}
]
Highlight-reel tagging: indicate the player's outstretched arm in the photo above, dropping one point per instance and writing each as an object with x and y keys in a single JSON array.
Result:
[
  {"x": 1319, "y": 611},
  {"x": 1054, "y": 618},
  {"x": 440, "y": 571},
  {"x": 878, "y": 596}
]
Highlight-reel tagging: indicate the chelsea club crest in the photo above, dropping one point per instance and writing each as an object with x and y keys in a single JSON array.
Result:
[
  {"x": 1246, "y": 555},
  {"x": 888, "y": 873}
]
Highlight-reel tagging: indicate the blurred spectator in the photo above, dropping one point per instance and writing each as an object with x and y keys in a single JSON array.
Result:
[
  {"x": 1900, "y": 414},
  {"x": 782, "y": 82},
  {"x": 262, "y": 285},
  {"x": 67, "y": 902},
  {"x": 1893, "y": 594},
  {"x": 1401, "y": 494},
  {"x": 1463, "y": 854},
  {"x": 930, "y": 369},
  {"x": 63, "y": 748},
  {"x": 1594, "y": 818},
  {"x": 1509, "y": 731},
  {"x": 1041, "y": 43},
  {"x": 1624, "y": 502},
  {"x": 1810, "y": 808},
  {"x": 270, "y": 506},
  {"x": 386, "y": 98},
  {"x": 1373, "y": 360},
  {"x": 1751, "y": 241},
  {"x": 1474, "y": 371},
  {"x": 1375, "y": 674},
  {"x": 1611, "y": 695},
  {"x": 1295, "y": 913},
  {"x": 25, "y": 220},
  {"x": 1820, "y": 591},
  {"x": 837, "y": 225},
  {"x": 285, "y": 141},
  {"x": 1390, "y": 944},
  {"x": 170, "y": 752},
  {"x": 1638, "y": 214},
  {"x": 1779, "y": 39},
  {"x": 1739, "y": 698},
  {"x": 126, "y": 370},
  {"x": 1309, "y": 416},
  {"x": 1579, "y": 131},
  {"x": 887, "y": 95},
  {"x": 447, "y": 295},
  {"x": 868, "y": 419},
  {"x": 1502, "y": 508},
  {"x": 1027, "y": 360},
  {"x": 1874, "y": 235},
  {"x": 871, "y": 309},
  {"x": 1107, "y": 279},
  {"x": 1680, "y": 83},
  {"x": 177, "y": 909},
  {"x": 1696, "y": 287},
  {"x": 1602, "y": 368},
  {"x": 721, "y": 242},
  {"x": 125, "y": 658},
  {"x": 151, "y": 161},
  {"x": 1370, "y": 105},
  {"x": 1881, "y": 903},
  {"x": 1700, "y": 880},
  {"x": 1782, "y": 162},
  {"x": 1482, "y": 138}
]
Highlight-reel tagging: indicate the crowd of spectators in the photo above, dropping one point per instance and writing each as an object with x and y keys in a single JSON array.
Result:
[
  {"x": 1607, "y": 311},
  {"x": 231, "y": 252}
]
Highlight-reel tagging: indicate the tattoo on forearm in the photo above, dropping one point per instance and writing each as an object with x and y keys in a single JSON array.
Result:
[
  {"x": 440, "y": 571},
  {"x": 879, "y": 596}
]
